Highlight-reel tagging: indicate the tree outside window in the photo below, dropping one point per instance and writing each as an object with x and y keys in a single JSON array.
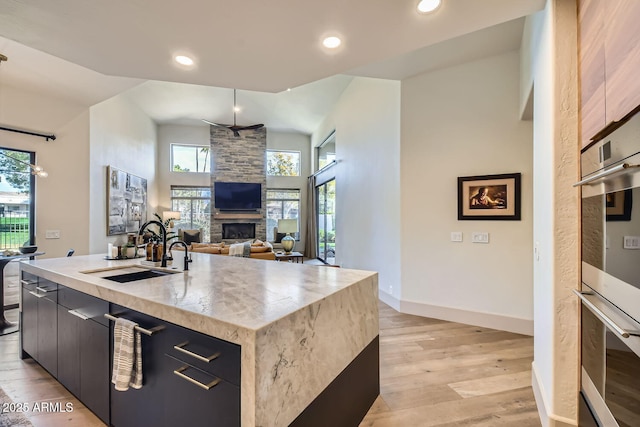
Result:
[
  {"x": 16, "y": 198},
  {"x": 283, "y": 163},
  {"x": 190, "y": 158}
]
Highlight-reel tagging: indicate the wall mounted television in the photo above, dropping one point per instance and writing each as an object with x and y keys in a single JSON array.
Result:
[{"x": 237, "y": 196}]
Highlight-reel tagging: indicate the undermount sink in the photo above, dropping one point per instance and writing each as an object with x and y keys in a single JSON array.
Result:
[
  {"x": 138, "y": 275},
  {"x": 129, "y": 273}
]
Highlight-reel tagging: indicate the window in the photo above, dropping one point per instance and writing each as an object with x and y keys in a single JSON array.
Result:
[
  {"x": 326, "y": 152},
  {"x": 190, "y": 158},
  {"x": 16, "y": 198},
  {"x": 283, "y": 163},
  {"x": 282, "y": 204},
  {"x": 194, "y": 205}
]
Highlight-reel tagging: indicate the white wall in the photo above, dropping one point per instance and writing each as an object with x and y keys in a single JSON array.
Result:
[
  {"x": 367, "y": 124},
  {"x": 293, "y": 142},
  {"x": 62, "y": 199},
  {"x": 175, "y": 134},
  {"x": 124, "y": 137},
  {"x": 464, "y": 121},
  {"x": 556, "y": 213}
]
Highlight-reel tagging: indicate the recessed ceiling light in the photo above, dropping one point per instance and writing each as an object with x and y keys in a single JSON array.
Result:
[
  {"x": 331, "y": 42},
  {"x": 183, "y": 60},
  {"x": 428, "y": 6}
]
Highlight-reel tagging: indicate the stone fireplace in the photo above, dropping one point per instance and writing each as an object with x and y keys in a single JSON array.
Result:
[
  {"x": 238, "y": 230},
  {"x": 238, "y": 159}
]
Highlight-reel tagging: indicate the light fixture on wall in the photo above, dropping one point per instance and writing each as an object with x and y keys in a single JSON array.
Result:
[
  {"x": 288, "y": 226},
  {"x": 35, "y": 169}
]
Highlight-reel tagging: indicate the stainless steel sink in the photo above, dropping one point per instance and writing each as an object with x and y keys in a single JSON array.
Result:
[{"x": 138, "y": 275}]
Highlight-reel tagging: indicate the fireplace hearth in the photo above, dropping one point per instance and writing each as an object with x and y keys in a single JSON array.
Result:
[{"x": 239, "y": 230}]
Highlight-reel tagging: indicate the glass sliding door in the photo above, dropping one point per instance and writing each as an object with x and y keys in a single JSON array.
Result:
[
  {"x": 326, "y": 194},
  {"x": 17, "y": 186}
]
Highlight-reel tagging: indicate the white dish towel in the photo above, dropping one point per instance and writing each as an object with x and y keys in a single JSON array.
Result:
[{"x": 127, "y": 356}]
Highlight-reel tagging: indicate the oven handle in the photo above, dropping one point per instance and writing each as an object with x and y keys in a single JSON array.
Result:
[
  {"x": 605, "y": 173},
  {"x": 600, "y": 314}
]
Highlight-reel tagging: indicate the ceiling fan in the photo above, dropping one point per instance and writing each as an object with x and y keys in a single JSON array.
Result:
[{"x": 234, "y": 127}]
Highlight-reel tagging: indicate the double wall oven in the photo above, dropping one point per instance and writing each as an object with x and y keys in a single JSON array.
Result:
[{"x": 610, "y": 295}]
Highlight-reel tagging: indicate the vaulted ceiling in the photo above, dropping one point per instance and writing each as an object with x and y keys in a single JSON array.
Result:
[{"x": 92, "y": 50}]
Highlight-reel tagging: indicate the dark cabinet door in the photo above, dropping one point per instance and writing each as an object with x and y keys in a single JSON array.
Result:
[
  {"x": 94, "y": 367},
  {"x": 68, "y": 351},
  {"x": 29, "y": 325},
  {"x": 48, "y": 335},
  {"x": 198, "y": 398},
  {"x": 140, "y": 407}
]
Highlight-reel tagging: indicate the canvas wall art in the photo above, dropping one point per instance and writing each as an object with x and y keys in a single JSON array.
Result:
[{"x": 126, "y": 202}]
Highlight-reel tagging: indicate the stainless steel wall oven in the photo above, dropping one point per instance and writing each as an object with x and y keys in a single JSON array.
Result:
[{"x": 610, "y": 296}]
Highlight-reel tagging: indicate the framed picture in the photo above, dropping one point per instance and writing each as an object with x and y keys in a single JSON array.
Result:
[
  {"x": 126, "y": 202},
  {"x": 619, "y": 205},
  {"x": 489, "y": 197}
]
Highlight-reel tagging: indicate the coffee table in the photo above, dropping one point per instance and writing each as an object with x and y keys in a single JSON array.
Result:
[{"x": 296, "y": 257}]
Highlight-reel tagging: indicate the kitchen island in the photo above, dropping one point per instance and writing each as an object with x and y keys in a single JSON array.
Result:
[{"x": 305, "y": 332}]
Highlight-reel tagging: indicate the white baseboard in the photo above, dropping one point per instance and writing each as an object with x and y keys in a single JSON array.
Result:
[
  {"x": 487, "y": 320},
  {"x": 389, "y": 299},
  {"x": 547, "y": 419}
]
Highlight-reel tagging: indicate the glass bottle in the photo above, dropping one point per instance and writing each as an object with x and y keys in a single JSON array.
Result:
[{"x": 149, "y": 250}]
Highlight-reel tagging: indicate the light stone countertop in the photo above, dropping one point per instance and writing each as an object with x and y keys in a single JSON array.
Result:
[{"x": 263, "y": 306}]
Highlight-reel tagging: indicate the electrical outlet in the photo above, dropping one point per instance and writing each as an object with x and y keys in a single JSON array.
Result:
[
  {"x": 456, "y": 236},
  {"x": 480, "y": 237},
  {"x": 52, "y": 234}
]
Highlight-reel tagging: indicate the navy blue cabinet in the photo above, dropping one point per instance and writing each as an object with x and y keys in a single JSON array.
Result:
[
  {"x": 188, "y": 379},
  {"x": 83, "y": 349},
  {"x": 65, "y": 332},
  {"x": 144, "y": 406},
  {"x": 39, "y": 322}
]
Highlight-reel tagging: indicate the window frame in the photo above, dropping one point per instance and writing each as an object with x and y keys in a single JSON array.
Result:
[
  {"x": 206, "y": 235},
  {"x": 197, "y": 147},
  {"x": 299, "y": 154},
  {"x": 32, "y": 195},
  {"x": 282, "y": 201}
]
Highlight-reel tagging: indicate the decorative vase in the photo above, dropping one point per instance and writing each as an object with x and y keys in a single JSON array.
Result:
[
  {"x": 130, "y": 252},
  {"x": 287, "y": 243}
]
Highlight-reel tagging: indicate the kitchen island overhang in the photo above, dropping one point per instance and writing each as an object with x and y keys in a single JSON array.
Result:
[{"x": 299, "y": 326}]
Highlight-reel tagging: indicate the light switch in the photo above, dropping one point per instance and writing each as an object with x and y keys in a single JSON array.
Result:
[
  {"x": 456, "y": 236},
  {"x": 480, "y": 237},
  {"x": 52, "y": 234},
  {"x": 631, "y": 242}
]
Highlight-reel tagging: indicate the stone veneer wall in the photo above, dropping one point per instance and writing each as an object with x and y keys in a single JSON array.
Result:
[{"x": 238, "y": 159}]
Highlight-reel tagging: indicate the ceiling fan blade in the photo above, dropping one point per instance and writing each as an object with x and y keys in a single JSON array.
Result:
[
  {"x": 215, "y": 124},
  {"x": 256, "y": 126}
]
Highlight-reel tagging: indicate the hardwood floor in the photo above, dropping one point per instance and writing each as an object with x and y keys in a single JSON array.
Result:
[
  {"x": 432, "y": 373},
  {"x": 438, "y": 373}
]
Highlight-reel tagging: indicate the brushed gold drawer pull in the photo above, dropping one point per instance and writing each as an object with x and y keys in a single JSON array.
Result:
[
  {"x": 209, "y": 386},
  {"x": 180, "y": 347}
]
